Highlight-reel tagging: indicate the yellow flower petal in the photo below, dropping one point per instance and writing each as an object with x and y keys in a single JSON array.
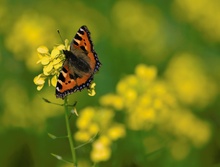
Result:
[
  {"x": 92, "y": 86},
  {"x": 40, "y": 87},
  {"x": 91, "y": 90},
  {"x": 47, "y": 69},
  {"x": 54, "y": 81},
  {"x": 38, "y": 80},
  {"x": 45, "y": 60},
  {"x": 61, "y": 47},
  {"x": 55, "y": 52},
  {"x": 42, "y": 50},
  {"x": 58, "y": 66}
]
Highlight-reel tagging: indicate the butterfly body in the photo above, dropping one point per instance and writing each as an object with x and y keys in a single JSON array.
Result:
[
  {"x": 78, "y": 62},
  {"x": 80, "y": 65}
]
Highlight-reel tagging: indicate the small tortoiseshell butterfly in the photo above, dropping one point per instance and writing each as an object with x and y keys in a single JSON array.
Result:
[{"x": 80, "y": 65}]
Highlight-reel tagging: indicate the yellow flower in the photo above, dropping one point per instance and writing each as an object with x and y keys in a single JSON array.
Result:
[
  {"x": 51, "y": 62},
  {"x": 91, "y": 90},
  {"x": 147, "y": 73},
  {"x": 82, "y": 136},
  {"x": 190, "y": 80},
  {"x": 99, "y": 121},
  {"x": 86, "y": 125},
  {"x": 54, "y": 80},
  {"x": 112, "y": 100},
  {"x": 85, "y": 118},
  {"x": 101, "y": 150},
  {"x": 93, "y": 128},
  {"x": 39, "y": 81},
  {"x": 116, "y": 131}
]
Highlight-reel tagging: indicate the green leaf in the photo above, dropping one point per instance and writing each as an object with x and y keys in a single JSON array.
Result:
[
  {"x": 57, "y": 156},
  {"x": 51, "y": 136}
]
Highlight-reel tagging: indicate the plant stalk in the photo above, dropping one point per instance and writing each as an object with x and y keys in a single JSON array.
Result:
[{"x": 69, "y": 133}]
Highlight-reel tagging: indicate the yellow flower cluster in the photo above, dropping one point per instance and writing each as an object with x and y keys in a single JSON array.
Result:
[
  {"x": 28, "y": 29},
  {"x": 94, "y": 121},
  {"x": 150, "y": 102},
  {"x": 51, "y": 62},
  {"x": 187, "y": 76},
  {"x": 134, "y": 95}
]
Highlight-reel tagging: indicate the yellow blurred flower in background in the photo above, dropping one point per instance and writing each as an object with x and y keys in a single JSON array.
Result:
[
  {"x": 93, "y": 121},
  {"x": 150, "y": 102},
  {"x": 26, "y": 32},
  {"x": 101, "y": 150},
  {"x": 112, "y": 100},
  {"x": 116, "y": 131},
  {"x": 188, "y": 78},
  {"x": 204, "y": 15}
]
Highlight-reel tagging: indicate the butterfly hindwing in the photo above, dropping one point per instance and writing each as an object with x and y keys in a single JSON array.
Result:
[
  {"x": 66, "y": 83},
  {"x": 80, "y": 65}
]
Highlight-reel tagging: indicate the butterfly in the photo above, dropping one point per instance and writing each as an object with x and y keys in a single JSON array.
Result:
[{"x": 80, "y": 65}]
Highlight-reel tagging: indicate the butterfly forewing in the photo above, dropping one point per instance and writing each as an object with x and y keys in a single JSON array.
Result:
[{"x": 82, "y": 40}]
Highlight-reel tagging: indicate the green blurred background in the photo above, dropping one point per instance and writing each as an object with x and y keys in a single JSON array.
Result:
[{"x": 158, "y": 86}]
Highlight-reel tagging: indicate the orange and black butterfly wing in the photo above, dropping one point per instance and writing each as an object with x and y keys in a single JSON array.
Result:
[
  {"x": 80, "y": 65},
  {"x": 82, "y": 41},
  {"x": 66, "y": 83}
]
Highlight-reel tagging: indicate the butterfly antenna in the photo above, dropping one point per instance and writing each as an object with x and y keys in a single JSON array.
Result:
[{"x": 58, "y": 31}]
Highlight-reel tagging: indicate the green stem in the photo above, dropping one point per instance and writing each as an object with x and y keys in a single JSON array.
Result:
[{"x": 69, "y": 133}]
